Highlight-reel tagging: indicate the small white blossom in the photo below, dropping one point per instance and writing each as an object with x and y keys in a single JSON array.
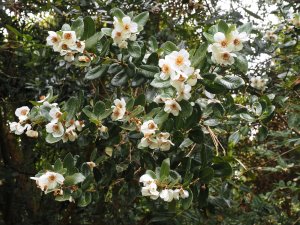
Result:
[
  {"x": 258, "y": 82},
  {"x": 22, "y": 113},
  {"x": 56, "y": 129},
  {"x": 166, "y": 68},
  {"x": 49, "y": 181},
  {"x": 151, "y": 191},
  {"x": 180, "y": 59},
  {"x": 166, "y": 195},
  {"x": 18, "y": 128},
  {"x": 171, "y": 106},
  {"x": 149, "y": 127},
  {"x": 184, "y": 93},
  {"x": 163, "y": 142},
  {"x": 32, "y": 133},
  {"x": 222, "y": 56},
  {"x": 237, "y": 39},
  {"x": 55, "y": 114},
  {"x": 146, "y": 179},
  {"x": 69, "y": 38},
  {"x": 69, "y": 135},
  {"x": 150, "y": 142}
]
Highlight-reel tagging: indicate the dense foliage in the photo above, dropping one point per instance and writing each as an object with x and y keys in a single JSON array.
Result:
[{"x": 149, "y": 112}]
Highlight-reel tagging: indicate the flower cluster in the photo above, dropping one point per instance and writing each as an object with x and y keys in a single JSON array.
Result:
[
  {"x": 224, "y": 47},
  {"x": 119, "y": 109},
  {"x": 124, "y": 30},
  {"x": 49, "y": 181},
  {"x": 67, "y": 45},
  {"x": 150, "y": 189},
  {"x": 258, "y": 83},
  {"x": 176, "y": 67},
  {"x": 270, "y": 36},
  {"x": 57, "y": 126},
  {"x": 153, "y": 139}
]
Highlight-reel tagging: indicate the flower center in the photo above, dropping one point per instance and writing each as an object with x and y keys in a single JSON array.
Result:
[
  {"x": 78, "y": 44},
  {"x": 151, "y": 126},
  {"x": 117, "y": 113},
  {"x": 42, "y": 97},
  {"x": 64, "y": 46},
  {"x": 165, "y": 68},
  {"x": 51, "y": 178},
  {"x": 55, "y": 127},
  {"x": 174, "y": 106},
  {"x": 126, "y": 27},
  {"x": 226, "y": 56},
  {"x": 181, "y": 78},
  {"x": 68, "y": 36},
  {"x": 119, "y": 34},
  {"x": 179, "y": 60},
  {"x": 24, "y": 112},
  {"x": 58, "y": 114},
  {"x": 54, "y": 39},
  {"x": 236, "y": 41},
  {"x": 224, "y": 43}
]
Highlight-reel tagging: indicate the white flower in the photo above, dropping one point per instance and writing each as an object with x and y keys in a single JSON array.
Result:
[
  {"x": 53, "y": 40},
  {"x": 167, "y": 195},
  {"x": 69, "y": 38},
  {"x": 222, "y": 56},
  {"x": 79, "y": 46},
  {"x": 146, "y": 179},
  {"x": 68, "y": 55},
  {"x": 150, "y": 190},
  {"x": 22, "y": 113},
  {"x": 192, "y": 79},
  {"x": 221, "y": 42},
  {"x": 180, "y": 193},
  {"x": 119, "y": 36},
  {"x": 128, "y": 25},
  {"x": 158, "y": 99},
  {"x": 69, "y": 135},
  {"x": 180, "y": 59},
  {"x": 17, "y": 128},
  {"x": 79, "y": 125},
  {"x": 103, "y": 129},
  {"x": 49, "y": 180},
  {"x": 149, "y": 141},
  {"x": 171, "y": 106},
  {"x": 184, "y": 93},
  {"x": 32, "y": 133},
  {"x": 166, "y": 68},
  {"x": 123, "y": 44},
  {"x": 237, "y": 39},
  {"x": 56, "y": 129},
  {"x": 133, "y": 37},
  {"x": 91, "y": 164},
  {"x": 47, "y": 104},
  {"x": 119, "y": 109},
  {"x": 270, "y": 36},
  {"x": 163, "y": 142},
  {"x": 55, "y": 114},
  {"x": 84, "y": 58},
  {"x": 258, "y": 83},
  {"x": 149, "y": 127}
]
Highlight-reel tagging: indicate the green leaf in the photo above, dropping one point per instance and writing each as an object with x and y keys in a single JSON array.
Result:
[
  {"x": 165, "y": 169},
  {"x": 99, "y": 108},
  {"x": 158, "y": 83},
  {"x": 66, "y": 27},
  {"x": 206, "y": 175},
  {"x": 199, "y": 55},
  {"x": 169, "y": 47},
  {"x": 71, "y": 107},
  {"x": 151, "y": 173},
  {"x": 69, "y": 162},
  {"x": 78, "y": 27},
  {"x": 74, "y": 179},
  {"x": 187, "y": 202},
  {"x": 161, "y": 117},
  {"x": 141, "y": 19},
  {"x": 91, "y": 42},
  {"x": 148, "y": 71},
  {"x": 96, "y": 72},
  {"x": 117, "y": 13},
  {"x": 211, "y": 122},
  {"x": 58, "y": 165},
  {"x": 234, "y": 138},
  {"x": 106, "y": 31},
  {"x": 153, "y": 44},
  {"x": 222, "y": 169},
  {"x": 196, "y": 135},
  {"x": 241, "y": 63},
  {"x": 230, "y": 81},
  {"x": 85, "y": 199},
  {"x": 247, "y": 117},
  {"x": 223, "y": 27},
  {"x": 119, "y": 79},
  {"x": 140, "y": 100},
  {"x": 50, "y": 139},
  {"x": 247, "y": 27},
  {"x": 186, "y": 109},
  {"x": 89, "y": 114},
  {"x": 89, "y": 28},
  {"x": 134, "y": 49},
  {"x": 255, "y": 15},
  {"x": 209, "y": 37}
]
